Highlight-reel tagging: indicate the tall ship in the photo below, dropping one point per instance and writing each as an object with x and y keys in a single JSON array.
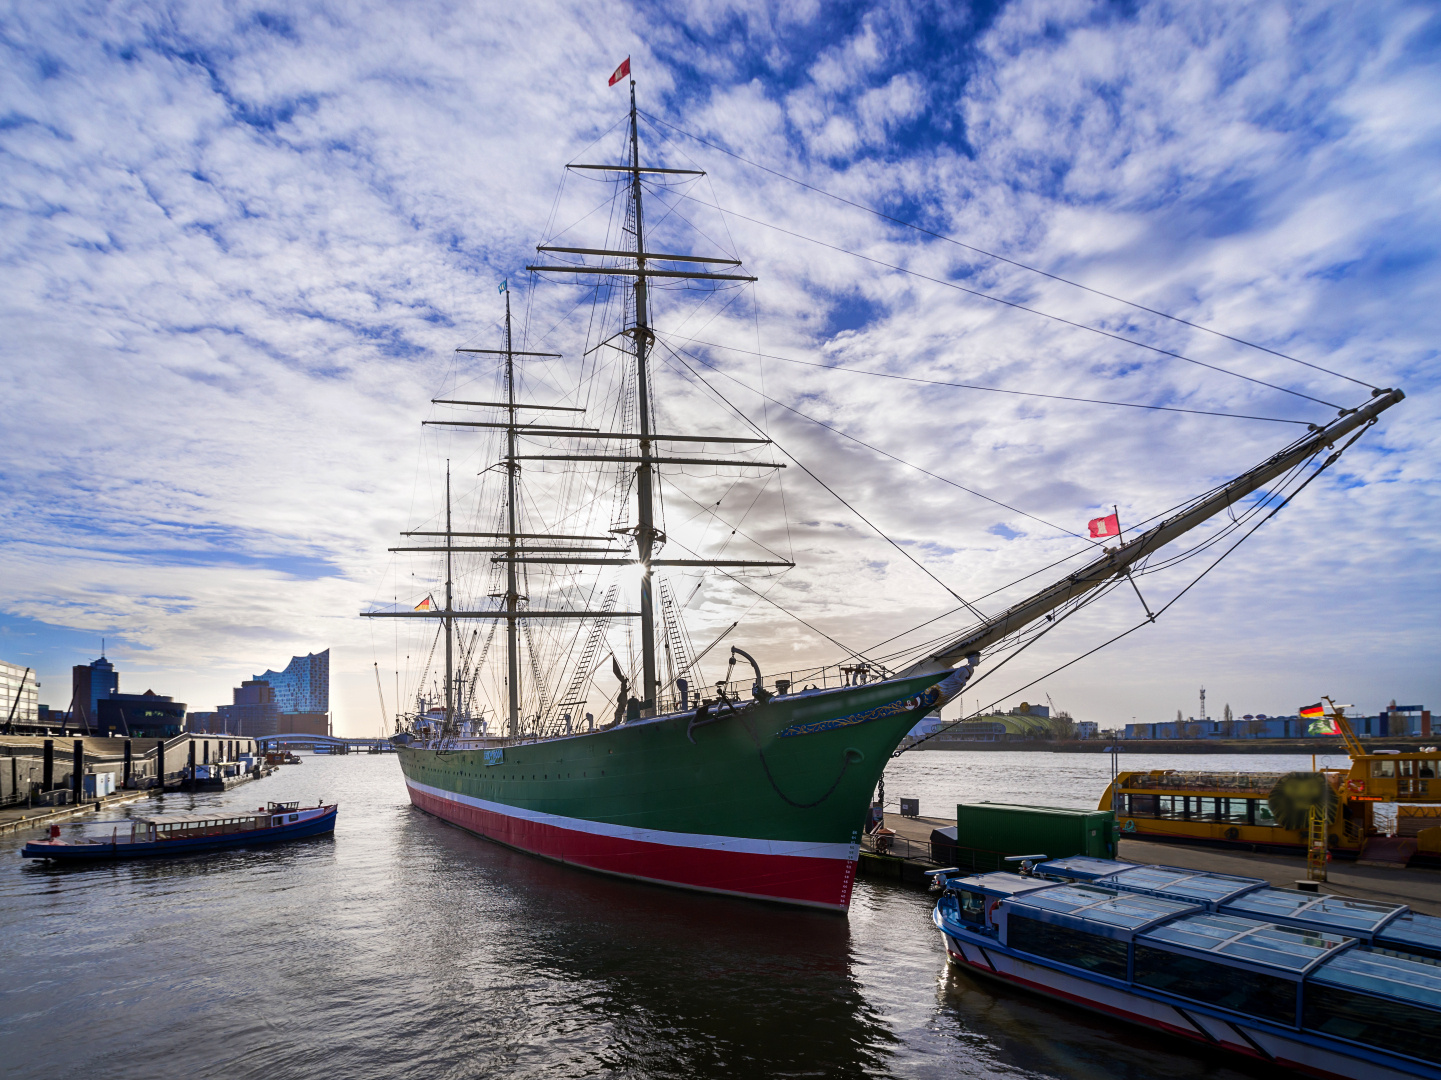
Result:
[{"x": 621, "y": 758}]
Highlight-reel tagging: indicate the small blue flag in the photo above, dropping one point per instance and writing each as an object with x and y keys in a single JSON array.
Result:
[{"x": 502, "y": 287}]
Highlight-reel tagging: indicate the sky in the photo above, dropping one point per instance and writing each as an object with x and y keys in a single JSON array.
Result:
[{"x": 239, "y": 243}]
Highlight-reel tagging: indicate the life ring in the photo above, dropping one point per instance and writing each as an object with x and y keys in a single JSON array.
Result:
[
  {"x": 1232, "y": 833},
  {"x": 1356, "y": 787},
  {"x": 991, "y": 911}
]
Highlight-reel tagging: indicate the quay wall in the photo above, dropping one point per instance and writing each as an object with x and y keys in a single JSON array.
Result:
[
  {"x": 22, "y": 759},
  {"x": 1310, "y": 745}
]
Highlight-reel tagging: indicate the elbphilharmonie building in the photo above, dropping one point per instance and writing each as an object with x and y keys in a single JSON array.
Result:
[{"x": 304, "y": 685}]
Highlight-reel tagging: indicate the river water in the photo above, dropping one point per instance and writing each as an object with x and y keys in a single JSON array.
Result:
[{"x": 402, "y": 947}]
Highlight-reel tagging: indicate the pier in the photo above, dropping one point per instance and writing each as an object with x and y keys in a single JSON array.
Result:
[
  {"x": 45, "y": 779},
  {"x": 910, "y": 857}
]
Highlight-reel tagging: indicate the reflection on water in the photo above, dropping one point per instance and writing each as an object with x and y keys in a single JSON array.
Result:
[{"x": 404, "y": 947}]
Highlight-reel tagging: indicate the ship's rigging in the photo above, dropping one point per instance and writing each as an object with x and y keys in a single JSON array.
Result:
[{"x": 545, "y": 691}]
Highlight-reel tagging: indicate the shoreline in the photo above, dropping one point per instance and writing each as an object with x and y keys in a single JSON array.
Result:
[{"x": 1318, "y": 746}]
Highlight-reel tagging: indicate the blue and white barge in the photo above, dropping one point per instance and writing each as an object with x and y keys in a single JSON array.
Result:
[{"x": 189, "y": 834}]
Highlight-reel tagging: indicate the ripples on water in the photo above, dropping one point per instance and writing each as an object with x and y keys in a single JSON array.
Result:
[{"x": 402, "y": 947}]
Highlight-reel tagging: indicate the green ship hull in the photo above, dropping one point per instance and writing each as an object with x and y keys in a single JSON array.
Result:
[{"x": 766, "y": 801}]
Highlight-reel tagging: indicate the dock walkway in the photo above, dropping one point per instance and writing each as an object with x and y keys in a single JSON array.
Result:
[
  {"x": 15, "y": 818},
  {"x": 1418, "y": 888}
]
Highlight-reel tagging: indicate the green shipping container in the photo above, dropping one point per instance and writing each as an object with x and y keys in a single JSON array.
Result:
[{"x": 1007, "y": 829}]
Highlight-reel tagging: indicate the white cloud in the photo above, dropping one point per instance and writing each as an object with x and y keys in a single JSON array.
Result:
[{"x": 239, "y": 249}]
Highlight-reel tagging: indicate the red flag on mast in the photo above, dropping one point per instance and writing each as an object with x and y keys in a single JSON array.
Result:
[
  {"x": 1102, "y": 527},
  {"x": 620, "y": 72}
]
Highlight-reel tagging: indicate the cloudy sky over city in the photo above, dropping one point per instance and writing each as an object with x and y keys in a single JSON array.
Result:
[{"x": 241, "y": 243}]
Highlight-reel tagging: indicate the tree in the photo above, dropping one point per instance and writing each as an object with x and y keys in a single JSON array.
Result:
[
  {"x": 1228, "y": 712},
  {"x": 1178, "y": 717}
]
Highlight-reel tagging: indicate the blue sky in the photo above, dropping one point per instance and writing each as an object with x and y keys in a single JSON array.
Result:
[{"x": 240, "y": 242}]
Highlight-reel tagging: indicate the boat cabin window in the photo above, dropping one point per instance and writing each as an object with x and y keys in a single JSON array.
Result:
[
  {"x": 1340, "y": 913},
  {"x": 1426, "y": 770},
  {"x": 1141, "y": 805},
  {"x": 1091, "y": 952},
  {"x": 1412, "y": 934},
  {"x": 1263, "y": 813},
  {"x": 1226, "y": 987},
  {"x": 1383, "y": 768},
  {"x": 1385, "y": 1001},
  {"x": 1171, "y": 806},
  {"x": 973, "y": 907}
]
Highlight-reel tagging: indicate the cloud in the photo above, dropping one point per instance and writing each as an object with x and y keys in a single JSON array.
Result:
[{"x": 239, "y": 247}]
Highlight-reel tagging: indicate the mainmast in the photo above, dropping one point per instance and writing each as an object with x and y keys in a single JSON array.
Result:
[
  {"x": 645, "y": 533},
  {"x": 646, "y": 456},
  {"x": 512, "y": 594},
  {"x": 448, "y": 728}
]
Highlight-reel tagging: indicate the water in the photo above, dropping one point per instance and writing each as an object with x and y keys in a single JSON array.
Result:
[
  {"x": 942, "y": 778},
  {"x": 402, "y": 947}
]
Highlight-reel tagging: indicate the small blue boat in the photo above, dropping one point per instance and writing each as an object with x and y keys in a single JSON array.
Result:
[
  {"x": 1323, "y": 985},
  {"x": 187, "y": 834}
]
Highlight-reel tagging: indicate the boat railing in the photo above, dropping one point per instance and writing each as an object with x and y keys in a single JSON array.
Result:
[
  {"x": 975, "y": 860},
  {"x": 898, "y": 847},
  {"x": 788, "y": 682},
  {"x": 1222, "y": 782}
]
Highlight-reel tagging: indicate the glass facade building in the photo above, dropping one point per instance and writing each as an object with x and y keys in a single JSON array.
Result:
[
  {"x": 293, "y": 701},
  {"x": 304, "y": 685}
]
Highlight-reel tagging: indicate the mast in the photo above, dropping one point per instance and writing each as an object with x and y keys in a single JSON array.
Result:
[
  {"x": 645, "y": 534},
  {"x": 449, "y": 727},
  {"x": 512, "y": 595}
]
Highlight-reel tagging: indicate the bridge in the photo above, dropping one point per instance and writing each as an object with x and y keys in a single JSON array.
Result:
[{"x": 292, "y": 738}]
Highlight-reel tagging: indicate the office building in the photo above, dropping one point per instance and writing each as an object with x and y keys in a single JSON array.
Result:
[
  {"x": 19, "y": 694},
  {"x": 140, "y": 716},
  {"x": 90, "y": 683}
]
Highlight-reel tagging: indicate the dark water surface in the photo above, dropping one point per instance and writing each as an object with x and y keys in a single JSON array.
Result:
[{"x": 402, "y": 947}]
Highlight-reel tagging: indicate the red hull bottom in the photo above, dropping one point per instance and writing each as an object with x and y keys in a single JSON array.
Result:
[{"x": 807, "y": 881}]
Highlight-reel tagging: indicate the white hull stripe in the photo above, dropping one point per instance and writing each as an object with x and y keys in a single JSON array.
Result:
[{"x": 798, "y": 849}]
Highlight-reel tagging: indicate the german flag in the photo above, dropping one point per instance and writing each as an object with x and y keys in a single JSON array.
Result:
[{"x": 1312, "y": 712}]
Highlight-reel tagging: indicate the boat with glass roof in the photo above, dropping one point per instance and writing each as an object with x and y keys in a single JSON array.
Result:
[
  {"x": 1173, "y": 957},
  {"x": 1393, "y": 927}
]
